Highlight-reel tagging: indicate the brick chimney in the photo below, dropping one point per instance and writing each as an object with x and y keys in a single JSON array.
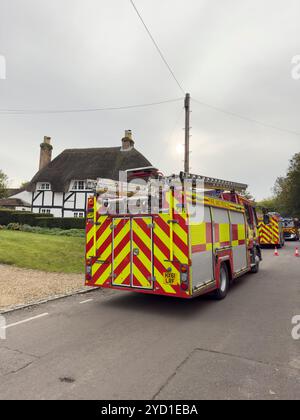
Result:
[
  {"x": 46, "y": 152},
  {"x": 127, "y": 141}
]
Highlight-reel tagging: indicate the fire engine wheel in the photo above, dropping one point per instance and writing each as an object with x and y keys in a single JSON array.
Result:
[
  {"x": 255, "y": 268},
  {"x": 222, "y": 292}
]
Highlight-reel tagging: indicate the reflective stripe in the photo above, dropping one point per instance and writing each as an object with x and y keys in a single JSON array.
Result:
[{"x": 269, "y": 234}]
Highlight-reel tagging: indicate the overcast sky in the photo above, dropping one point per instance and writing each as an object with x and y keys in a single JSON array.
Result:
[{"x": 231, "y": 54}]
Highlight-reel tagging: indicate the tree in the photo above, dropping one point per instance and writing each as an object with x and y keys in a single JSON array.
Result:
[
  {"x": 3, "y": 185},
  {"x": 270, "y": 204},
  {"x": 287, "y": 189},
  {"x": 24, "y": 185}
]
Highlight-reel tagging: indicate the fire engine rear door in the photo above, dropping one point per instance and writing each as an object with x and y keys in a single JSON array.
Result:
[
  {"x": 121, "y": 252},
  {"x": 142, "y": 252}
]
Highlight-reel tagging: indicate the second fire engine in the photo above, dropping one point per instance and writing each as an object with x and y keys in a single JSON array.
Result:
[{"x": 270, "y": 229}]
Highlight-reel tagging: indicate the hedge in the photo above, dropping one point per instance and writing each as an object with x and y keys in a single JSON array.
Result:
[
  {"x": 37, "y": 219},
  {"x": 5, "y": 217},
  {"x": 61, "y": 223},
  {"x": 25, "y": 218}
]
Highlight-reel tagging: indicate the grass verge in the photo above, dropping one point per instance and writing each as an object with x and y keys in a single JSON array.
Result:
[{"x": 58, "y": 254}]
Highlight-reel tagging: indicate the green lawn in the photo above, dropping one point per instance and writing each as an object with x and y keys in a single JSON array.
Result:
[{"x": 42, "y": 252}]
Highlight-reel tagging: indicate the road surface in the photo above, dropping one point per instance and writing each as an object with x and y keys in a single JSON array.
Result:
[{"x": 130, "y": 346}]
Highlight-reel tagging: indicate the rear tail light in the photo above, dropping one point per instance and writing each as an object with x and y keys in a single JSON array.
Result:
[
  {"x": 90, "y": 204},
  {"x": 90, "y": 210},
  {"x": 88, "y": 272},
  {"x": 184, "y": 277}
]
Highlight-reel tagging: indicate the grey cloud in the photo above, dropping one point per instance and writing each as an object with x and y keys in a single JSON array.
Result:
[{"x": 232, "y": 54}]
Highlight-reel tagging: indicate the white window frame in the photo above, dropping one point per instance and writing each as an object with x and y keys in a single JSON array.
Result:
[
  {"x": 45, "y": 211},
  {"x": 44, "y": 186},
  {"x": 79, "y": 215},
  {"x": 79, "y": 185}
]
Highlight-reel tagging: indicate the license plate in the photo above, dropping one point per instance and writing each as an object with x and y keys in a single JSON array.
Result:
[{"x": 171, "y": 278}]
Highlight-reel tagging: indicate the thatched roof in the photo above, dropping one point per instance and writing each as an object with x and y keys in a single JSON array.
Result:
[{"x": 82, "y": 164}]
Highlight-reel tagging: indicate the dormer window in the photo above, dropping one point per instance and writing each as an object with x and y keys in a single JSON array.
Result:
[
  {"x": 79, "y": 186},
  {"x": 44, "y": 186}
]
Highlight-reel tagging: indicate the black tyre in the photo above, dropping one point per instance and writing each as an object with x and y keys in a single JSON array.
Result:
[
  {"x": 222, "y": 292},
  {"x": 257, "y": 258},
  {"x": 255, "y": 268}
]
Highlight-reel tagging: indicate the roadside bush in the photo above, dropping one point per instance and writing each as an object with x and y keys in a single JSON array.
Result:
[
  {"x": 31, "y": 229},
  {"x": 40, "y": 220},
  {"x": 22, "y": 217},
  {"x": 62, "y": 223},
  {"x": 76, "y": 233},
  {"x": 13, "y": 226},
  {"x": 5, "y": 216}
]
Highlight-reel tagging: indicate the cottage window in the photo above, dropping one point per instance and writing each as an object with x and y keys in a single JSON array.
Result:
[
  {"x": 45, "y": 211},
  {"x": 79, "y": 185},
  {"x": 78, "y": 215},
  {"x": 44, "y": 186}
]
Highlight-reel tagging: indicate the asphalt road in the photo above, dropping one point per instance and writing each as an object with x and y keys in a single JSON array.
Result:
[{"x": 130, "y": 346}]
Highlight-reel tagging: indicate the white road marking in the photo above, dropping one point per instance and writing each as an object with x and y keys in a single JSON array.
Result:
[
  {"x": 26, "y": 320},
  {"x": 86, "y": 301}
]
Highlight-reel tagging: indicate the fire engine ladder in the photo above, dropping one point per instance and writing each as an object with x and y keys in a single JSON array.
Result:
[
  {"x": 213, "y": 183},
  {"x": 209, "y": 183}
]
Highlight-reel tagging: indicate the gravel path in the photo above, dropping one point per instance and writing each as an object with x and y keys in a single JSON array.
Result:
[{"x": 19, "y": 286}]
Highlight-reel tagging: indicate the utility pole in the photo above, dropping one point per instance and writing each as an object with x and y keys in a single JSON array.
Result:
[{"x": 187, "y": 106}]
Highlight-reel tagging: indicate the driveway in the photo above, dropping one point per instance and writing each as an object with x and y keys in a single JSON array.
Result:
[{"x": 20, "y": 286}]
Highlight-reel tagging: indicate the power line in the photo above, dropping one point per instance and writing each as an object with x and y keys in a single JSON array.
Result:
[
  {"x": 242, "y": 117},
  {"x": 68, "y": 111},
  {"x": 157, "y": 47}
]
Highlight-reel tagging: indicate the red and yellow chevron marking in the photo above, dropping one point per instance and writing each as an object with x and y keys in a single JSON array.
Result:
[
  {"x": 162, "y": 252},
  {"x": 101, "y": 270},
  {"x": 111, "y": 242},
  {"x": 121, "y": 270},
  {"x": 89, "y": 232},
  {"x": 269, "y": 234},
  {"x": 142, "y": 265},
  {"x": 177, "y": 230},
  {"x": 293, "y": 230},
  {"x": 181, "y": 238}
]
